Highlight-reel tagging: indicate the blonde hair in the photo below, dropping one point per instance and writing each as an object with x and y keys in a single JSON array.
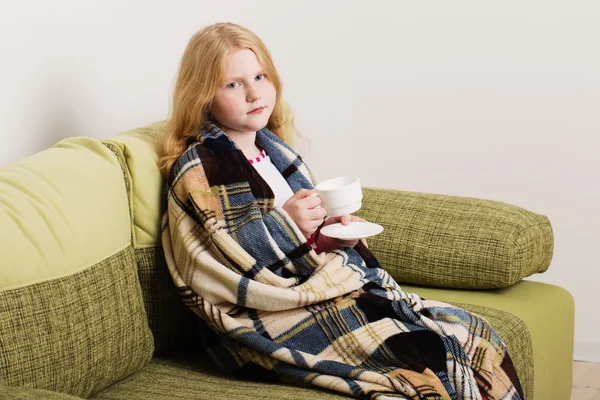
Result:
[{"x": 201, "y": 70}]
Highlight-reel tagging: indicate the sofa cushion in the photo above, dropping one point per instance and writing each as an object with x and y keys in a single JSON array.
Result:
[
  {"x": 531, "y": 318},
  {"x": 75, "y": 334},
  {"x": 170, "y": 320},
  {"x": 71, "y": 311},
  {"x": 186, "y": 375},
  {"x": 61, "y": 210},
  {"x": 23, "y": 393},
  {"x": 539, "y": 339},
  {"x": 135, "y": 151},
  {"x": 456, "y": 242}
]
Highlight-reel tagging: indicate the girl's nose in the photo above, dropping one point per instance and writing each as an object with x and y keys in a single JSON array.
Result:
[{"x": 252, "y": 94}]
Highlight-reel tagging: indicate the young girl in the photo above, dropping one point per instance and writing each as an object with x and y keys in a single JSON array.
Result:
[{"x": 241, "y": 239}]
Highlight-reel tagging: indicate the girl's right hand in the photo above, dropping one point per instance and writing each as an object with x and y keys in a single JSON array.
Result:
[{"x": 301, "y": 207}]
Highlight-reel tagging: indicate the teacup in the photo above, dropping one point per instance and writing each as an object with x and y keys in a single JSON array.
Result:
[{"x": 341, "y": 195}]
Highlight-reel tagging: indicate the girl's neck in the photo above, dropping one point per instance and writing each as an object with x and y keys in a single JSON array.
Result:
[{"x": 246, "y": 141}]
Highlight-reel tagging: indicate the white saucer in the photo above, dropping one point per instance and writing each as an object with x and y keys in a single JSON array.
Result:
[{"x": 353, "y": 231}]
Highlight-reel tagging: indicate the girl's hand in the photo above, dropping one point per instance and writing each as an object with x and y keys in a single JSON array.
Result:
[
  {"x": 327, "y": 244},
  {"x": 301, "y": 207}
]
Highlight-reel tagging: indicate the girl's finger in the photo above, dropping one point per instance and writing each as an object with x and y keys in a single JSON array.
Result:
[
  {"x": 317, "y": 214},
  {"x": 346, "y": 219},
  {"x": 310, "y": 201},
  {"x": 335, "y": 219},
  {"x": 303, "y": 193},
  {"x": 314, "y": 225}
]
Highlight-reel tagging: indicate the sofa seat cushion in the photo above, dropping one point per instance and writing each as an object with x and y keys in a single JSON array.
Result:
[
  {"x": 535, "y": 320},
  {"x": 523, "y": 316},
  {"x": 194, "y": 376},
  {"x": 25, "y": 393}
]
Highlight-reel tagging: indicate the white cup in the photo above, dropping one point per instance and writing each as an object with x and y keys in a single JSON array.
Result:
[{"x": 341, "y": 195}]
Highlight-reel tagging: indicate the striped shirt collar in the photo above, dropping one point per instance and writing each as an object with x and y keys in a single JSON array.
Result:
[{"x": 258, "y": 159}]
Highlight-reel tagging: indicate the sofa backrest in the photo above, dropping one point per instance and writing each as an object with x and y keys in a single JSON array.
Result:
[
  {"x": 70, "y": 300},
  {"x": 170, "y": 321}
]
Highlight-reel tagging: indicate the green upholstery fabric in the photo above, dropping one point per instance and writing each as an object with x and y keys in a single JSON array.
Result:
[
  {"x": 135, "y": 152},
  {"x": 24, "y": 393},
  {"x": 549, "y": 313},
  {"x": 458, "y": 242},
  {"x": 76, "y": 334},
  {"x": 169, "y": 319},
  {"x": 194, "y": 376}
]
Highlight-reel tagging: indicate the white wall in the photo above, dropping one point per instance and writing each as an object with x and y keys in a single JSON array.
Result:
[{"x": 497, "y": 100}]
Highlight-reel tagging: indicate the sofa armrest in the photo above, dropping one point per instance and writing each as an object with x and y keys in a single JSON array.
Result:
[
  {"x": 458, "y": 242},
  {"x": 25, "y": 393}
]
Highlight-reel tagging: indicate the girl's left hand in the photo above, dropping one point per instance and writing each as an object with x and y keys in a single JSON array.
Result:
[{"x": 327, "y": 244}]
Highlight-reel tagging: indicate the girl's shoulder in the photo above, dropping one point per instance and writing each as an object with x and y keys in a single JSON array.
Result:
[{"x": 188, "y": 160}]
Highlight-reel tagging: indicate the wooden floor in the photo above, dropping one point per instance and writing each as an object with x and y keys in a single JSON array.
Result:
[{"x": 586, "y": 381}]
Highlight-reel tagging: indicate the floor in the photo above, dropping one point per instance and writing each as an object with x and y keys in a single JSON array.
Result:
[{"x": 586, "y": 381}]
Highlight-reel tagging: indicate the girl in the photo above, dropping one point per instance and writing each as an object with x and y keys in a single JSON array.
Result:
[{"x": 241, "y": 239}]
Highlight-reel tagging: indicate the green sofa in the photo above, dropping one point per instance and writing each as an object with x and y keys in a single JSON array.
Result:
[{"x": 88, "y": 309}]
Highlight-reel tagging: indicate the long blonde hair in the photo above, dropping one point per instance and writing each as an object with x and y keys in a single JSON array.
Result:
[{"x": 201, "y": 71}]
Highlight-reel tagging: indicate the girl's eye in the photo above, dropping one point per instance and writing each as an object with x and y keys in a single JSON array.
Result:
[
  {"x": 260, "y": 77},
  {"x": 232, "y": 85}
]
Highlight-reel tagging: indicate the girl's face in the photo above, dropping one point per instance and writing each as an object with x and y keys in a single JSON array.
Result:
[{"x": 244, "y": 103}]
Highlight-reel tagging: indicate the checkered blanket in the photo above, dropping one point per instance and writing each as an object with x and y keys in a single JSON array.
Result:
[{"x": 336, "y": 320}]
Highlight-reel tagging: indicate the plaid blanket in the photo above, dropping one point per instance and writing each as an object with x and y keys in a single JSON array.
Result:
[{"x": 336, "y": 320}]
